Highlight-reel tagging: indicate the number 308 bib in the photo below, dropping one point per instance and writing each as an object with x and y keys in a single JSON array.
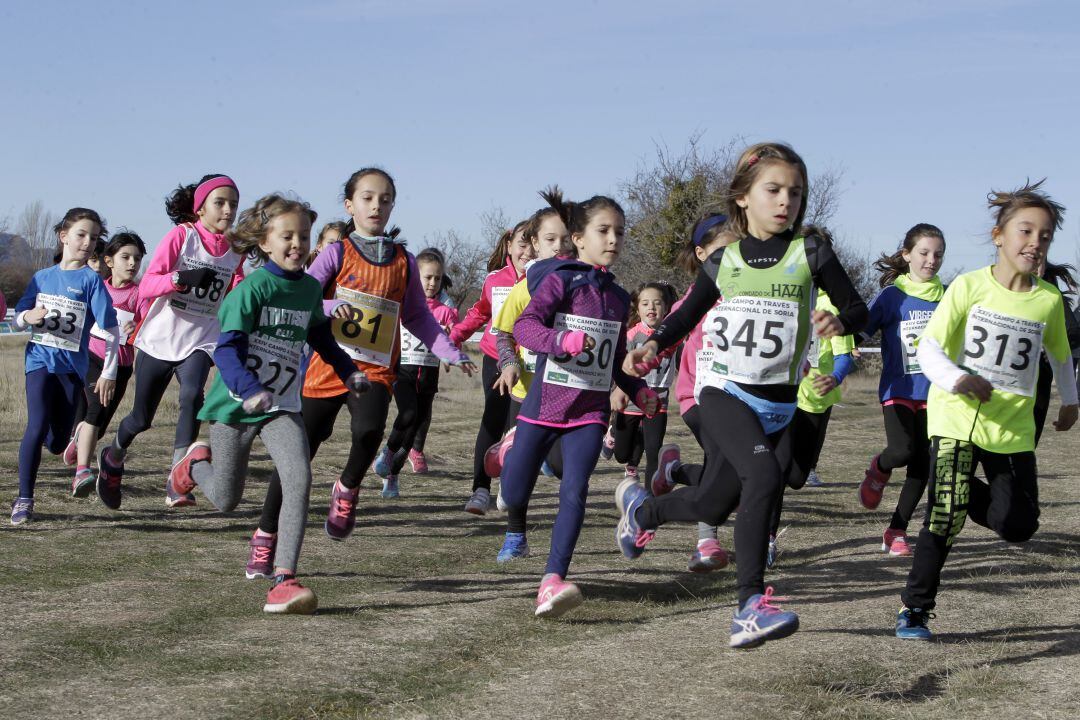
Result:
[
  {"x": 1003, "y": 349},
  {"x": 590, "y": 369}
]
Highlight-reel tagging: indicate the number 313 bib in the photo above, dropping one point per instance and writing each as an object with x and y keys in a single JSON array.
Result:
[{"x": 1003, "y": 349}]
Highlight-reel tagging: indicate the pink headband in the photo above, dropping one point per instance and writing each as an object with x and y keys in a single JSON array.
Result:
[{"x": 210, "y": 186}]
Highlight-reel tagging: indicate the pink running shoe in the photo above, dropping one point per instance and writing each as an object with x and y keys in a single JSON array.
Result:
[
  {"x": 71, "y": 452},
  {"x": 873, "y": 485},
  {"x": 341, "y": 519},
  {"x": 289, "y": 596},
  {"x": 418, "y": 462},
  {"x": 708, "y": 556},
  {"x": 662, "y": 480},
  {"x": 180, "y": 483},
  {"x": 493, "y": 458},
  {"x": 631, "y": 472},
  {"x": 261, "y": 556},
  {"x": 895, "y": 542},
  {"x": 556, "y": 597}
]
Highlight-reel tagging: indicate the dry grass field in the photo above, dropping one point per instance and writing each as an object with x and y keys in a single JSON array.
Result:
[{"x": 146, "y": 613}]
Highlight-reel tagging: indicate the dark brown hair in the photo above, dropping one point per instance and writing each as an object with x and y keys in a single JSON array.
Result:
[
  {"x": 575, "y": 215},
  {"x": 667, "y": 293},
  {"x": 73, "y": 216},
  {"x": 532, "y": 225},
  {"x": 179, "y": 203},
  {"x": 687, "y": 258},
  {"x": 502, "y": 247},
  {"x": 893, "y": 266},
  {"x": 1006, "y": 204},
  {"x": 350, "y": 188},
  {"x": 749, "y": 167}
]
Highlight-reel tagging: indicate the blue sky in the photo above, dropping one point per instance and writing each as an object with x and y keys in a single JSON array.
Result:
[{"x": 475, "y": 104}]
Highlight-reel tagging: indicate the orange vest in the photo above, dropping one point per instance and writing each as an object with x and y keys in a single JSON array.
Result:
[{"x": 378, "y": 292}]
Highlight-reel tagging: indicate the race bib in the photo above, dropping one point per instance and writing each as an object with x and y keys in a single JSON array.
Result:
[
  {"x": 123, "y": 317},
  {"x": 591, "y": 369},
  {"x": 528, "y": 360},
  {"x": 62, "y": 326},
  {"x": 498, "y": 299},
  {"x": 277, "y": 363},
  {"x": 910, "y": 331},
  {"x": 754, "y": 340},
  {"x": 369, "y": 335},
  {"x": 702, "y": 367},
  {"x": 813, "y": 354},
  {"x": 1003, "y": 349},
  {"x": 415, "y": 352},
  {"x": 201, "y": 301}
]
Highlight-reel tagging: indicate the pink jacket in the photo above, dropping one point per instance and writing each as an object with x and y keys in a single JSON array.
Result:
[
  {"x": 443, "y": 314},
  {"x": 480, "y": 314},
  {"x": 157, "y": 280}
]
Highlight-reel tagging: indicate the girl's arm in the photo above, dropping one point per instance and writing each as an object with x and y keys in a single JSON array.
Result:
[
  {"x": 686, "y": 314},
  {"x": 507, "y": 349},
  {"x": 830, "y": 275},
  {"x": 26, "y": 303},
  {"x": 230, "y": 357},
  {"x": 157, "y": 280},
  {"x": 321, "y": 339},
  {"x": 629, "y": 385},
  {"x": 325, "y": 269},
  {"x": 876, "y": 319},
  {"x": 532, "y": 328},
  {"x": 101, "y": 305},
  {"x": 477, "y": 317},
  {"x": 417, "y": 319}
]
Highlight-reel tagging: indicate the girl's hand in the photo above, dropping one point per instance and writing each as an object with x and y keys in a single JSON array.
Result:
[
  {"x": 826, "y": 325},
  {"x": 344, "y": 311},
  {"x": 824, "y": 384},
  {"x": 635, "y": 364},
  {"x": 975, "y": 387},
  {"x": 1066, "y": 417},
  {"x": 506, "y": 380},
  {"x": 619, "y": 400},
  {"x": 577, "y": 341},
  {"x": 260, "y": 402},
  {"x": 128, "y": 328},
  {"x": 358, "y": 383},
  {"x": 105, "y": 389},
  {"x": 34, "y": 316},
  {"x": 647, "y": 399}
]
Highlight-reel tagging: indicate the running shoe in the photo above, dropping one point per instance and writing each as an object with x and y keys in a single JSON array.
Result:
[
  {"x": 547, "y": 470},
  {"x": 608, "y": 448},
  {"x": 895, "y": 542},
  {"x": 83, "y": 483},
  {"x": 514, "y": 546},
  {"x": 631, "y": 472},
  {"x": 382, "y": 465},
  {"x": 261, "y": 556},
  {"x": 479, "y": 502},
  {"x": 814, "y": 480},
  {"x": 873, "y": 485},
  {"x": 911, "y": 624},
  {"x": 341, "y": 518},
  {"x": 418, "y": 462},
  {"x": 760, "y": 620},
  {"x": 500, "y": 504},
  {"x": 493, "y": 458},
  {"x": 631, "y": 538},
  {"x": 109, "y": 479},
  {"x": 663, "y": 479},
  {"x": 71, "y": 452},
  {"x": 22, "y": 510},
  {"x": 556, "y": 597},
  {"x": 180, "y": 483},
  {"x": 390, "y": 487},
  {"x": 709, "y": 555},
  {"x": 289, "y": 596}
]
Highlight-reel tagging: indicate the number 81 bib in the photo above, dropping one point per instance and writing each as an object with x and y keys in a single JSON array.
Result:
[
  {"x": 369, "y": 336},
  {"x": 1003, "y": 349}
]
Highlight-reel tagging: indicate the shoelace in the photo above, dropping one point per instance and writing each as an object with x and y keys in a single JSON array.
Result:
[
  {"x": 644, "y": 537},
  {"x": 919, "y": 618},
  {"x": 21, "y": 506},
  {"x": 343, "y": 505},
  {"x": 765, "y": 602},
  {"x": 261, "y": 554}
]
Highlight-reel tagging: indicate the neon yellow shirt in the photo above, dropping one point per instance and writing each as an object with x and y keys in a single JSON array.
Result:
[
  {"x": 997, "y": 334},
  {"x": 821, "y": 363},
  {"x": 511, "y": 310}
]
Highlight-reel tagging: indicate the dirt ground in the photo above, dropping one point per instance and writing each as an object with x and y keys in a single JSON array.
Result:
[{"x": 146, "y": 612}]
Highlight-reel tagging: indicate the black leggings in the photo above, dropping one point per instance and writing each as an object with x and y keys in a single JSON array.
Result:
[
  {"x": 152, "y": 378},
  {"x": 421, "y": 433},
  {"x": 636, "y": 435},
  {"x": 746, "y": 469},
  {"x": 807, "y": 438},
  {"x": 1007, "y": 503},
  {"x": 491, "y": 424},
  {"x": 908, "y": 445},
  {"x": 413, "y": 407},
  {"x": 367, "y": 414}
]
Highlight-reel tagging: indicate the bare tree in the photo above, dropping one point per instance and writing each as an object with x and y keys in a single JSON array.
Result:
[
  {"x": 466, "y": 266},
  {"x": 493, "y": 223},
  {"x": 35, "y": 225}
]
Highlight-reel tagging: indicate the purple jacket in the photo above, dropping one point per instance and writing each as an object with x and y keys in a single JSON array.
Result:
[{"x": 575, "y": 289}]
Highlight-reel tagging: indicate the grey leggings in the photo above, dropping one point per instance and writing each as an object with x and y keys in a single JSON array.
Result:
[{"x": 223, "y": 481}]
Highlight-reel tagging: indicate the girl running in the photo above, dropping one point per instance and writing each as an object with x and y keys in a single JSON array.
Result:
[
  {"x": 122, "y": 256},
  {"x": 192, "y": 270},
  {"x": 417, "y": 376},
  {"x": 760, "y": 333},
  {"x": 911, "y": 291},
  {"x": 264, "y": 325},
  {"x": 506, "y": 267},
  {"x": 368, "y": 283},
  {"x": 980, "y": 351},
  {"x": 576, "y": 323},
  {"x": 332, "y": 232},
  {"x": 1061, "y": 277},
  {"x": 60, "y": 305},
  {"x": 636, "y": 435}
]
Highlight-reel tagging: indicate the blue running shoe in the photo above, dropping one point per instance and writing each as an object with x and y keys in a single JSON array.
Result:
[
  {"x": 390, "y": 487},
  {"x": 382, "y": 463},
  {"x": 761, "y": 620},
  {"x": 911, "y": 624},
  {"x": 546, "y": 469},
  {"x": 631, "y": 539},
  {"x": 514, "y": 546},
  {"x": 22, "y": 510},
  {"x": 814, "y": 480}
]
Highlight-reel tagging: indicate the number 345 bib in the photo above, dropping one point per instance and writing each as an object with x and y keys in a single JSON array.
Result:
[{"x": 753, "y": 339}]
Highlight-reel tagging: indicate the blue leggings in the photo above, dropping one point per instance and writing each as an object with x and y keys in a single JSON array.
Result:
[
  {"x": 50, "y": 408},
  {"x": 580, "y": 451}
]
